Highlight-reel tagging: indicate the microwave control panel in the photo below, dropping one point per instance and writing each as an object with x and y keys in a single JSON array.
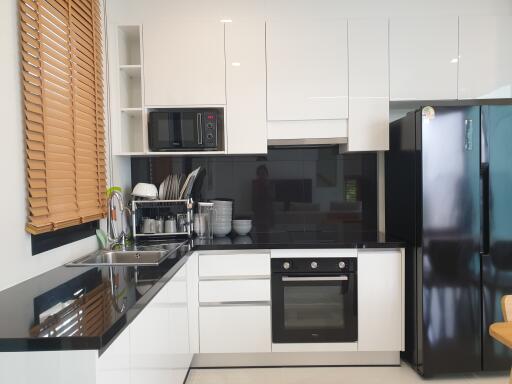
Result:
[{"x": 210, "y": 129}]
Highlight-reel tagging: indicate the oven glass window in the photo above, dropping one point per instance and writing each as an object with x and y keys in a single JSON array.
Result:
[{"x": 313, "y": 307}]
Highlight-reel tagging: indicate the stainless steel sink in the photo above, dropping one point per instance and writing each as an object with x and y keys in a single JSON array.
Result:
[{"x": 138, "y": 255}]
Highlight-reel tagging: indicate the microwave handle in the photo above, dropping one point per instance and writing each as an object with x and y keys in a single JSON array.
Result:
[
  {"x": 315, "y": 278},
  {"x": 199, "y": 129}
]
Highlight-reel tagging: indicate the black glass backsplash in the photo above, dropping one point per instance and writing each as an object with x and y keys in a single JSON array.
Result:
[{"x": 303, "y": 189}]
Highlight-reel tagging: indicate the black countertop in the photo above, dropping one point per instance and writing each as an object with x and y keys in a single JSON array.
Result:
[
  {"x": 286, "y": 239},
  {"x": 92, "y": 318}
]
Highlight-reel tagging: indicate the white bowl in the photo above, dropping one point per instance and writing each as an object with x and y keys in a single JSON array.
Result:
[
  {"x": 221, "y": 231},
  {"x": 145, "y": 190},
  {"x": 242, "y": 227}
]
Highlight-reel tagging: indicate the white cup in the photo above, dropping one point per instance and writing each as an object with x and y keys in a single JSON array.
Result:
[
  {"x": 170, "y": 225},
  {"x": 149, "y": 226}
]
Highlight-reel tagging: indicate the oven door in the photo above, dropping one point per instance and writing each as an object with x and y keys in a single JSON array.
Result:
[{"x": 317, "y": 308}]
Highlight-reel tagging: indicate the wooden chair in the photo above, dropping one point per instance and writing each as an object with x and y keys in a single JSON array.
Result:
[
  {"x": 506, "y": 307},
  {"x": 502, "y": 331}
]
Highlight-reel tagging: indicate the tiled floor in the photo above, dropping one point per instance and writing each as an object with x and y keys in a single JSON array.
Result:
[{"x": 334, "y": 375}]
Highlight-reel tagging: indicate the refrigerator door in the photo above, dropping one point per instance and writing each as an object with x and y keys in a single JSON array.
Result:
[
  {"x": 450, "y": 302},
  {"x": 497, "y": 259}
]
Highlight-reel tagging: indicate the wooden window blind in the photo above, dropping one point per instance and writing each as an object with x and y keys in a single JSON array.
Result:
[{"x": 62, "y": 66}]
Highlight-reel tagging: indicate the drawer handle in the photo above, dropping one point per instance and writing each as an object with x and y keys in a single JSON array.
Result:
[{"x": 235, "y": 303}]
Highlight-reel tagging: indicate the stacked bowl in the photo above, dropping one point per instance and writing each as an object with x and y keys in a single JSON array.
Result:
[{"x": 222, "y": 216}]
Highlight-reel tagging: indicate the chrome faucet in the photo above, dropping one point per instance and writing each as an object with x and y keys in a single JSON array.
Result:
[{"x": 116, "y": 238}]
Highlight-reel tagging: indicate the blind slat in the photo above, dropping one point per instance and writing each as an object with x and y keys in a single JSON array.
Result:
[{"x": 62, "y": 53}]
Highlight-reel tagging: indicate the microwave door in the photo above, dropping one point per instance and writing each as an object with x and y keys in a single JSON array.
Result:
[
  {"x": 192, "y": 129},
  {"x": 161, "y": 132}
]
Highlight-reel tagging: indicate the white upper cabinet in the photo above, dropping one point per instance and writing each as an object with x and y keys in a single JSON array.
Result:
[
  {"x": 485, "y": 62},
  {"x": 368, "y": 124},
  {"x": 368, "y": 58},
  {"x": 184, "y": 62},
  {"x": 307, "y": 69},
  {"x": 246, "y": 119},
  {"x": 423, "y": 57}
]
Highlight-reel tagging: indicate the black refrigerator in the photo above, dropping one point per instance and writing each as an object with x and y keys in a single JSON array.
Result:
[{"x": 449, "y": 197}]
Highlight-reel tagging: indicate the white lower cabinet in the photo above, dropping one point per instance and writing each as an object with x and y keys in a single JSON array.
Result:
[
  {"x": 235, "y": 329},
  {"x": 113, "y": 366},
  {"x": 380, "y": 300},
  {"x": 155, "y": 347},
  {"x": 159, "y": 336}
]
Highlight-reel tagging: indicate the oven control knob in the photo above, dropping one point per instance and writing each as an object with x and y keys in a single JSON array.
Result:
[
  {"x": 314, "y": 265},
  {"x": 286, "y": 265},
  {"x": 341, "y": 264}
]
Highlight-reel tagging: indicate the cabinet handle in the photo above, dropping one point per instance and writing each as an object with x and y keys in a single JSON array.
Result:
[{"x": 234, "y": 303}]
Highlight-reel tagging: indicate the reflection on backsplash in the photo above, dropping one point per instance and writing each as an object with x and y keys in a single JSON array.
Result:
[{"x": 293, "y": 189}]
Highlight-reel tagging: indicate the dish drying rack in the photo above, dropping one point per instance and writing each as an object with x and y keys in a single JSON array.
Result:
[{"x": 162, "y": 208}]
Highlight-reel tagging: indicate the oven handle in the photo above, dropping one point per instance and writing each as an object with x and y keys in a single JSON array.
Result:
[{"x": 315, "y": 278}]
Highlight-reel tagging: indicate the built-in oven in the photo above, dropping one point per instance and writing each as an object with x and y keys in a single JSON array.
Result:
[
  {"x": 314, "y": 300},
  {"x": 185, "y": 129}
]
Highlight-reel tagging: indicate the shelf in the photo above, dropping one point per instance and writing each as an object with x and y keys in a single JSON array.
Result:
[
  {"x": 131, "y": 132},
  {"x": 161, "y": 234},
  {"x": 131, "y": 71},
  {"x": 131, "y": 88},
  {"x": 131, "y": 129},
  {"x": 157, "y": 154},
  {"x": 129, "y": 45}
]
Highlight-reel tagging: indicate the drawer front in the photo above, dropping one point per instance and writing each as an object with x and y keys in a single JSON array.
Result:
[
  {"x": 235, "y": 329},
  {"x": 235, "y": 264},
  {"x": 234, "y": 291}
]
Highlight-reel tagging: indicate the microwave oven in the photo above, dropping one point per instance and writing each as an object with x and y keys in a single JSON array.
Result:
[{"x": 184, "y": 129}]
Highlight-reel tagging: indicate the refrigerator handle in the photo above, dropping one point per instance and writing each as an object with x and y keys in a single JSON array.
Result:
[{"x": 484, "y": 186}]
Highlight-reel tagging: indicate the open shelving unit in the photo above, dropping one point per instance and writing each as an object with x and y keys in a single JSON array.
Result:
[
  {"x": 129, "y": 110},
  {"x": 131, "y": 91}
]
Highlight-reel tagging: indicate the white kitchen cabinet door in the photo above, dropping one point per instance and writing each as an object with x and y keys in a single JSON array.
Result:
[
  {"x": 238, "y": 264},
  {"x": 193, "y": 302},
  {"x": 307, "y": 70},
  {"x": 159, "y": 336},
  {"x": 221, "y": 291},
  {"x": 368, "y": 59},
  {"x": 113, "y": 365},
  {"x": 184, "y": 63},
  {"x": 485, "y": 62},
  {"x": 423, "y": 57},
  {"x": 235, "y": 329},
  {"x": 246, "y": 120},
  {"x": 380, "y": 300},
  {"x": 368, "y": 122}
]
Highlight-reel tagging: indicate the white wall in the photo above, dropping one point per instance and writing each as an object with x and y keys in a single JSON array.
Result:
[{"x": 16, "y": 260}]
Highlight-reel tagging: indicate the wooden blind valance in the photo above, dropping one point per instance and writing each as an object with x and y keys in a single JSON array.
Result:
[{"x": 62, "y": 65}]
